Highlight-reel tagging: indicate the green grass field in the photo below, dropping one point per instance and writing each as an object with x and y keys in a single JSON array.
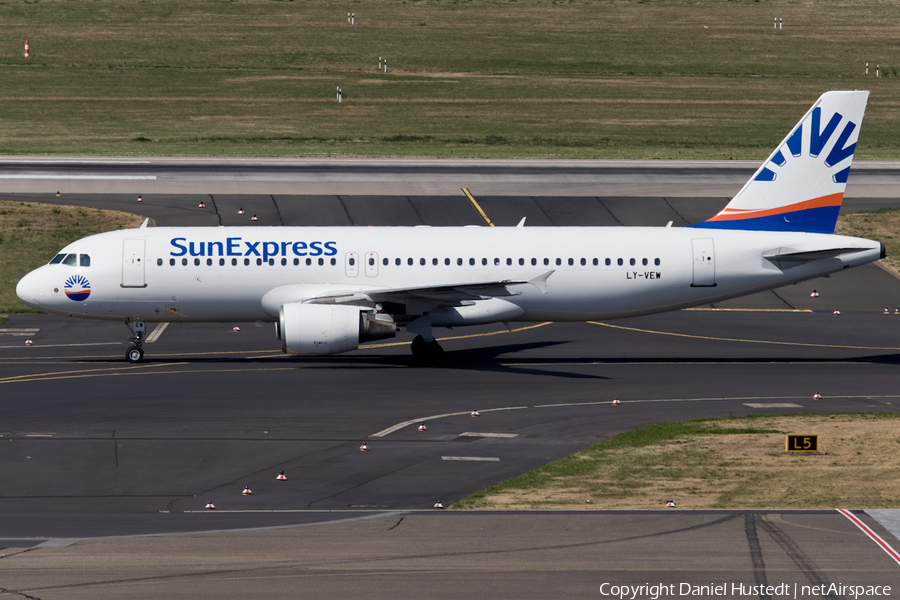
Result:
[{"x": 477, "y": 78}]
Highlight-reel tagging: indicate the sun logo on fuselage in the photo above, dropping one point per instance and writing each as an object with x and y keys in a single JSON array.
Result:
[{"x": 77, "y": 288}]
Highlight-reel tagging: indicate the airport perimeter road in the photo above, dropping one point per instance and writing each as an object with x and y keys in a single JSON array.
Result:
[
  {"x": 520, "y": 556},
  {"x": 400, "y": 177}
]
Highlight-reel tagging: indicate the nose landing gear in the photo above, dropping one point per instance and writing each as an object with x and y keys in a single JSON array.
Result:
[{"x": 135, "y": 353}]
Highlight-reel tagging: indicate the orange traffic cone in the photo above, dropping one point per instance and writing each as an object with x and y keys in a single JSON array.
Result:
[{"x": 281, "y": 477}]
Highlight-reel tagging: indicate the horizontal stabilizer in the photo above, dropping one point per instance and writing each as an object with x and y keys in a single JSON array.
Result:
[{"x": 793, "y": 255}]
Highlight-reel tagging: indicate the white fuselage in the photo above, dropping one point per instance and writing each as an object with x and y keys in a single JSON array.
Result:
[{"x": 222, "y": 274}]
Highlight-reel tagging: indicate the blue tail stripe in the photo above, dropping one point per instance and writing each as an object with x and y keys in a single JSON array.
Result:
[{"x": 812, "y": 220}]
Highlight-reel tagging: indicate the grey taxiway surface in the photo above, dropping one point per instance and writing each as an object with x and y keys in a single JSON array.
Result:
[{"x": 93, "y": 446}]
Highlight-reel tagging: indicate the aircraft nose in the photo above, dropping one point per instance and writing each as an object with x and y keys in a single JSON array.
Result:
[{"x": 29, "y": 289}]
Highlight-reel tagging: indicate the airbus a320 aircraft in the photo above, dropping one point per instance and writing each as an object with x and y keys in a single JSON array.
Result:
[{"x": 328, "y": 289}]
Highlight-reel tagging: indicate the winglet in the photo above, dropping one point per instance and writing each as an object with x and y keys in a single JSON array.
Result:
[
  {"x": 145, "y": 223},
  {"x": 540, "y": 282},
  {"x": 522, "y": 222}
]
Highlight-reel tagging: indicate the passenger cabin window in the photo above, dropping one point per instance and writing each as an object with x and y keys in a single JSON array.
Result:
[
  {"x": 85, "y": 260},
  {"x": 57, "y": 259},
  {"x": 172, "y": 262},
  {"x": 159, "y": 261},
  {"x": 70, "y": 260},
  {"x": 233, "y": 262}
]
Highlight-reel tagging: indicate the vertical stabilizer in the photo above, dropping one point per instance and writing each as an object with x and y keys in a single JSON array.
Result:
[{"x": 801, "y": 185}]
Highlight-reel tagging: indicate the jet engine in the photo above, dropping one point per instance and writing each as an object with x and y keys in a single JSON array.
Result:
[{"x": 318, "y": 329}]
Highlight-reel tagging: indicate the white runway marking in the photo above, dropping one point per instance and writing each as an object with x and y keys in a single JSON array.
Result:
[
  {"x": 472, "y": 458},
  {"x": 157, "y": 331},
  {"x": 62, "y": 176},
  {"x": 488, "y": 435},
  {"x": 772, "y": 405}
]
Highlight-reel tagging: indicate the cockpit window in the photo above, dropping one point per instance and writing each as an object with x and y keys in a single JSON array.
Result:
[
  {"x": 58, "y": 258},
  {"x": 85, "y": 260},
  {"x": 71, "y": 260}
]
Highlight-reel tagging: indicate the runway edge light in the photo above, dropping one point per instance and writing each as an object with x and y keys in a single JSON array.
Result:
[
  {"x": 246, "y": 491},
  {"x": 281, "y": 477},
  {"x": 209, "y": 506}
]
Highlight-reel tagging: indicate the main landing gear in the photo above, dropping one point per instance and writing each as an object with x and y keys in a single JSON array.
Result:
[
  {"x": 135, "y": 353},
  {"x": 426, "y": 354}
]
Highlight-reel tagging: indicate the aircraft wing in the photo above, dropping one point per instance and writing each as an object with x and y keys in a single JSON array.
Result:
[{"x": 442, "y": 294}]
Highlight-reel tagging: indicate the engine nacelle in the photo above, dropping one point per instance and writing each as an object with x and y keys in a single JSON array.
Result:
[{"x": 306, "y": 329}]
